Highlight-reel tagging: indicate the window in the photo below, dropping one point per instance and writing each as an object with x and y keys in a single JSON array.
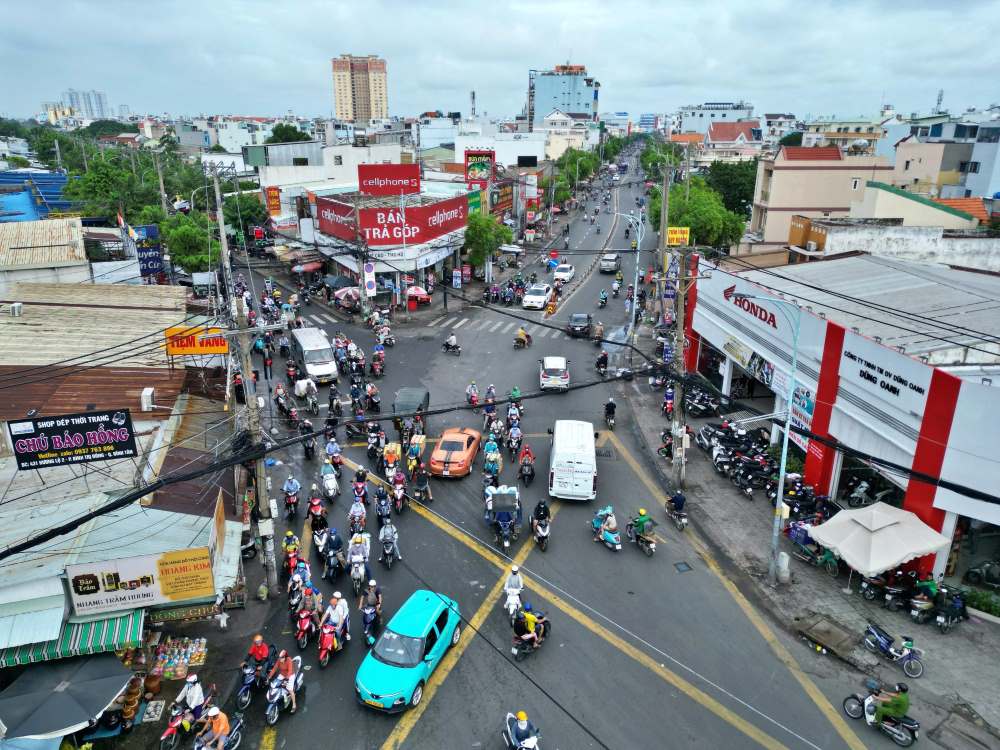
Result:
[
  {"x": 338, "y": 161},
  {"x": 442, "y": 621},
  {"x": 429, "y": 643},
  {"x": 855, "y": 183},
  {"x": 973, "y": 167},
  {"x": 906, "y": 166},
  {"x": 300, "y": 161}
]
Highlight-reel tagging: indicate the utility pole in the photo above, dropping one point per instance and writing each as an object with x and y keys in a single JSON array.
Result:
[
  {"x": 680, "y": 421},
  {"x": 163, "y": 193},
  {"x": 55, "y": 142},
  {"x": 265, "y": 524}
]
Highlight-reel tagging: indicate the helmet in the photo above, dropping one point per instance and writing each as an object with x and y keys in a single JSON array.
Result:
[
  {"x": 513, "y": 569},
  {"x": 604, "y": 351},
  {"x": 337, "y": 595},
  {"x": 371, "y": 583},
  {"x": 491, "y": 385},
  {"x": 522, "y": 716},
  {"x": 301, "y": 565},
  {"x": 258, "y": 638},
  {"x": 192, "y": 678},
  {"x": 357, "y": 539},
  {"x": 901, "y": 687},
  {"x": 289, "y": 534},
  {"x": 527, "y": 606},
  {"x": 296, "y": 578},
  {"x": 642, "y": 511},
  {"x": 290, "y": 477},
  {"x": 213, "y": 711},
  {"x": 473, "y": 382},
  {"x": 520, "y": 614},
  {"x": 308, "y": 591}
]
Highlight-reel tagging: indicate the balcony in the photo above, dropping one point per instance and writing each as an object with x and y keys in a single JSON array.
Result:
[{"x": 765, "y": 196}]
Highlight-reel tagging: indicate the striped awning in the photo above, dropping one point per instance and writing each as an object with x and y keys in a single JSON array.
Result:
[{"x": 81, "y": 638}]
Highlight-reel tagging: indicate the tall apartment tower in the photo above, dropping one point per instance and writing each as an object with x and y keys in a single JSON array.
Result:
[
  {"x": 92, "y": 105},
  {"x": 567, "y": 88},
  {"x": 360, "y": 88}
]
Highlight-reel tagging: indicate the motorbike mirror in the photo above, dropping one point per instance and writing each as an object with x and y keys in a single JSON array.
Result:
[{"x": 549, "y": 430}]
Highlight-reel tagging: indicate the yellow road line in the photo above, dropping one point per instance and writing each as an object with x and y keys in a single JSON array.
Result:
[
  {"x": 305, "y": 540},
  {"x": 409, "y": 720},
  {"x": 779, "y": 649},
  {"x": 267, "y": 738}
]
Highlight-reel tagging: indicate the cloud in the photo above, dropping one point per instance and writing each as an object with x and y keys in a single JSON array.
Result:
[{"x": 264, "y": 57}]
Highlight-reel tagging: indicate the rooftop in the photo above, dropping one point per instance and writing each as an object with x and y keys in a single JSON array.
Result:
[
  {"x": 693, "y": 138},
  {"x": 805, "y": 153},
  {"x": 41, "y": 244},
  {"x": 730, "y": 131},
  {"x": 955, "y": 298},
  {"x": 972, "y": 206}
]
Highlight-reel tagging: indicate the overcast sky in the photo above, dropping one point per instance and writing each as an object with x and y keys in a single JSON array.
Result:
[{"x": 264, "y": 57}]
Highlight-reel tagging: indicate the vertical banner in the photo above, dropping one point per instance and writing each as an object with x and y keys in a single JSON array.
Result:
[
  {"x": 144, "y": 243},
  {"x": 369, "y": 279},
  {"x": 272, "y": 200}
]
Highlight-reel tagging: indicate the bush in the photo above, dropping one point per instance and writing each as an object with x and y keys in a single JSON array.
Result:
[
  {"x": 793, "y": 463},
  {"x": 984, "y": 601}
]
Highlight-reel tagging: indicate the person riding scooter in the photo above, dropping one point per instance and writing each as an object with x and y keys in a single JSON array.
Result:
[
  {"x": 602, "y": 360},
  {"x": 523, "y": 337}
]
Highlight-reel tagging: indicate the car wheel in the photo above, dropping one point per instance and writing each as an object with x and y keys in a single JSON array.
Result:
[
  {"x": 418, "y": 694},
  {"x": 456, "y": 634}
]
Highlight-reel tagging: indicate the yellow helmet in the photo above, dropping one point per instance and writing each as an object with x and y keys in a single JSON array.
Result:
[
  {"x": 642, "y": 511},
  {"x": 522, "y": 716}
]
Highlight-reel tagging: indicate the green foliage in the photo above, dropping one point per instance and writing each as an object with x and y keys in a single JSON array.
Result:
[
  {"x": 243, "y": 212},
  {"x": 792, "y": 139},
  {"x": 218, "y": 149},
  {"x": 284, "y": 133},
  {"x": 18, "y": 162},
  {"x": 656, "y": 155},
  {"x": 14, "y": 128},
  {"x": 734, "y": 181},
  {"x": 188, "y": 238},
  {"x": 108, "y": 127},
  {"x": 108, "y": 188},
  {"x": 984, "y": 601},
  {"x": 575, "y": 164},
  {"x": 794, "y": 462},
  {"x": 483, "y": 237},
  {"x": 559, "y": 194},
  {"x": 702, "y": 210}
]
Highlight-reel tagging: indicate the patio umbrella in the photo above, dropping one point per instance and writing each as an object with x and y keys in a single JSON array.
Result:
[
  {"x": 309, "y": 267},
  {"x": 338, "y": 282},
  {"x": 416, "y": 291},
  {"x": 348, "y": 293},
  {"x": 877, "y": 538},
  {"x": 57, "y": 698}
]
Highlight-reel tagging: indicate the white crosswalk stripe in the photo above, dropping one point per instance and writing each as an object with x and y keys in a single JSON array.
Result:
[
  {"x": 543, "y": 333},
  {"x": 448, "y": 322},
  {"x": 508, "y": 327},
  {"x": 438, "y": 320},
  {"x": 496, "y": 325},
  {"x": 461, "y": 323}
]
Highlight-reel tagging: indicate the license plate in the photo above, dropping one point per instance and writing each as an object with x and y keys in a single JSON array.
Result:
[
  {"x": 513, "y": 650},
  {"x": 888, "y": 597},
  {"x": 373, "y": 703},
  {"x": 913, "y": 612},
  {"x": 864, "y": 585},
  {"x": 445, "y": 473},
  {"x": 940, "y": 618}
]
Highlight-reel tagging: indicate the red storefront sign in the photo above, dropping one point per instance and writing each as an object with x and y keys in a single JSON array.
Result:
[
  {"x": 273, "y": 199},
  {"x": 336, "y": 219},
  {"x": 386, "y": 226},
  {"x": 388, "y": 179}
]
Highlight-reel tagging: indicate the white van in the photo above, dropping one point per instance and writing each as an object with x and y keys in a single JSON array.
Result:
[
  {"x": 573, "y": 463},
  {"x": 312, "y": 352}
]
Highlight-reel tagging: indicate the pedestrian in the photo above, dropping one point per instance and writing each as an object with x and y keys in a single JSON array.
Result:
[
  {"x": 628, "y": 305},
  {"x": 268, "y": 361}
]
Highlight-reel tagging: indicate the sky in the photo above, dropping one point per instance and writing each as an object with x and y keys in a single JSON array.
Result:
[{"x": 253, "y": 57}]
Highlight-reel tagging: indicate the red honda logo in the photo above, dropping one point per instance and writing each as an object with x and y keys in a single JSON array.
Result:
[{"x": 729, "y": 292}]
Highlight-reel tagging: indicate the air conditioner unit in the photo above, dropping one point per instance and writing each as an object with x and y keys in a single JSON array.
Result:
[
  {"x": 15, "y": 309},
  {"x": 811, "y": 246},
  {"x": 146, "y": 399}
]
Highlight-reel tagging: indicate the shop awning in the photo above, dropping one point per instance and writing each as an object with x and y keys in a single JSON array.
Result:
[{"x": 80, "y": 638}]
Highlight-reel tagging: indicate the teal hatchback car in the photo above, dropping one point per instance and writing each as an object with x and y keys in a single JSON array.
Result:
[{"x": 393, "y": 674}]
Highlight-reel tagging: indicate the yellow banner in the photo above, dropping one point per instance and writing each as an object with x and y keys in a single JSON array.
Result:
[
  {"x": 678, "y": 236},
  {"x": 183, "y": 341}
]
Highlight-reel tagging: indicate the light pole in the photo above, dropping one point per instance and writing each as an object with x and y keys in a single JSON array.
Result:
[
  {"x": 783, "y": 306},
  {"x": 404, "y": 296},
  {"x": 640, "y": 231},
  {"x": 192, "y": 196}
]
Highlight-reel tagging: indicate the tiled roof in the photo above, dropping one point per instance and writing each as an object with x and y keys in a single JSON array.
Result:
[
  {"x": 687, "y": 138},
  {"x": 730, "y": 131},
  {"x": 971, "y": 206},
  {"x": 816, "y": 153}
]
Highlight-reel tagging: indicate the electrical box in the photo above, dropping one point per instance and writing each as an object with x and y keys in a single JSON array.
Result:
[{"x": 146, "y": 399}]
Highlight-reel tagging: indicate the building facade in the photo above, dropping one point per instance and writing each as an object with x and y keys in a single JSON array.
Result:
[
  {"x": 925, "y": 168},
  {"x": 731, "y": 141},
  {"x": 567, "y": 88},
  {"x": 777, "y": 125},
  {"x": 360, "y": 88},
  {"x": 698, "y": 118},
  {"x": 91, "y": 105}
]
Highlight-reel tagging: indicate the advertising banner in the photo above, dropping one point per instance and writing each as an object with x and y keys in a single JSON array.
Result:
[
  {"x": 480, "y": 167},
  {"x": 803, "y": 403},
  {"x": 501, "y": 198},
  {"x": 143, "y": 242},
  {"x": 182, "y": 341},
  {"x": 143, "y": 581},
  {"x": 392, "y": 226},
  {"x": 42, "y": 442},
  {"x": 336, "y": 219},
  {"x": 530, "y": 186},
  {"x": 678, "y": 235},
  {"x": 272, "y": 199},
  {"x": 388, "y": 179},
  {"x": 886, "y": 374},
  {"x": 475, "y": 201}
]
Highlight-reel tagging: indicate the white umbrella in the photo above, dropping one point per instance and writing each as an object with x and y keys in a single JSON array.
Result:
[
  {"x": 878, "y": 537},
  {"x": 350, "y": 292},
  {"x": 416, "y": 291}
]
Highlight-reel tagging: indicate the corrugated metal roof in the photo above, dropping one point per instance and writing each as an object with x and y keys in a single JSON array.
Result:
[
  {"x": 32, "y": 627},
  {"x": 41, "y": 244}
]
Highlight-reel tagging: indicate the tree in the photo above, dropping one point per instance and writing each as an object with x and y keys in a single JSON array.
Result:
[
  {"x": 108, "y": 127},
  {"x": 243, "y": 212},
  {"x": 734, "y": 181},
  {"x": 218, "y": 149},
  {"x": 792, "y": 139},
  {"x": 483, "y": 237},
  {"x": 285, "y": 133},
  {"x": 18, "y": 162},
  {"x": 188, "y": 238},
  {"x": 108, "y": 188},
  {"x": 702, "y": 210},
  {"x": 13, "y": 129}
]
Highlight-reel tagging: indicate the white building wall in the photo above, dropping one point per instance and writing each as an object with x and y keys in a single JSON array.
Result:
[{"x": 508, "y": 146}]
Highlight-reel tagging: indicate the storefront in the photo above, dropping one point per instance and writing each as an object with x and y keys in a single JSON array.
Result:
[{"x": 864, "y": 394}]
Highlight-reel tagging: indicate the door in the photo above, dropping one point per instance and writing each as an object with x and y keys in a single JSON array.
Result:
[{"x": 432, "y": 650}]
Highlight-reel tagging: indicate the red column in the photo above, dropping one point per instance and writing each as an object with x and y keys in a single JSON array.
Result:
[
  {"x": 692, "y": 341},
  {"x": 820, "y": 458}
]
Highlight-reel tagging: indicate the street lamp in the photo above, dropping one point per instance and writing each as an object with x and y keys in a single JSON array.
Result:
[
  {"x": 195, "y": 191},
  {"x": 639, "y": 228},
  {"x": 783, "y": 306}
]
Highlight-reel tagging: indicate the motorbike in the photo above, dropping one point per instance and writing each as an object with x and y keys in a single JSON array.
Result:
[
  {"x": 904, "y": 732},
  {"x": 329, "y": 644},
  {"x": 374, "y": 450},
  {"x": 278, "y": 698},
  {"x": 644, "y": 542},
  {"x": 309, "y": 447},
  {"x": 312, "y": 403},
  {"x": 291, "y": 504},
  {"x": 491, "y": 463},
  {"x": 399, "y": 499},
  {"x": 294, "y": 600},
  {"x": 357, "y": 573},
  {"x": 180, "y": 722},
  {"x": 504, "y": 529},
  {"x": 609, "y": 420},
  {"x": 611, "y": 539},
  {"x": 808, "y": 551},
  {"x": 602, "y": 302},
  {"x": 422, "y": 489},
  {"x": 541, "y": 534},
  {"x": 360, "y": 490},
  {"x": 531, "y": 743},
  {"x": 232, "y": 741},
  {"x": 512, "y": 604},
  {"x": 304, "y": 628},
  {"x": 369, "y": 624},
  {"x": 526, "y": 472},
  {"x": 374, "y": 403},
  {"x": 291, "y": 374},
  {"x": 377, "y": 368},
  {"x": 331, "y": 487},
  {"x": 680, "y": 518},
  {"x": 514, "y": 446},
  {"x": 520, "y": 343},
  {"x": 879, "y": 642},
  {"x": 387, "y": 340},
  {"x": 860, "y": 497},
  {"x": 388, "y": 553},
  {"x": 448, "y": 349},
  {"x": 952, "y": 609},
  {"x": 899, "y": 591},
  {"x": 602, "y": 369},
  {"x": 614, "y": 292},
  {"x": 383, "y": 509}
]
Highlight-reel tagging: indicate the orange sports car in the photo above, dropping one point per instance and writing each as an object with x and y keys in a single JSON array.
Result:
[{"x": 455, "y": 452}]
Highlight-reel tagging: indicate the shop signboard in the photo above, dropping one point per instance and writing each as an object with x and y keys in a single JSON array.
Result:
[
  {"x": 466, "y": 273},
  {"x": 886, "y": 374},
  {"x": 371, "y": 288},
  {"x": 388, "y": 179},
  {"x": 803, "y": 403},
  {"x": 678, "y": 236},
  {"x": 141, "y": 581},
  {"x": 272, "y": 199},
  {"x": 456, "y": 279},
  {"x": 336, "y": 219},
  {"x": 530, "y": 186},
  {"x": 479, "y": 167},
  {"x": 195, "y": 340},
  {"x": 43, "y": 442},
  {"x": 390, "y": 225},
  {"x": 501, "y": 198},
  {"x": 143, "y": 242},
  {"x": 475, "y": 201}
]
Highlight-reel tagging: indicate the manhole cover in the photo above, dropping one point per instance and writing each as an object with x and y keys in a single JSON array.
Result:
[
  {"x": 604, "y": 452},
  {"x": 682, "y": 567}
]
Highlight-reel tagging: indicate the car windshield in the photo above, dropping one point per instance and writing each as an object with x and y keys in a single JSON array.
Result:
[
  {"x": 564, "y": 269},
  {"x": 554, "y": 372},
  {"x": 398, "y": 650},
  {"x": 452, "y": 445},
  {"x": 537, "y": 290},
  {"x": 318, "y": 356},
  {"x": 579, "y": 318},
  {"x": 611, "y": 257}
]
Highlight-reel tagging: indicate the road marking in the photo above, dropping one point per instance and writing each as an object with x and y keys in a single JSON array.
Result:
[
  {"x": 814, "y": 693},
  {"x": 409, "y": 720},
  {"x": 437, "y": 320},
  {"x": 268, "y": 738},
  {"x": 330, "y": 319},
  {"x": 496, "y": 325},
  {"x": 507, "y": 327},
  {"x": 460, "y": 323},
  {"x": 448, "y": 322}
]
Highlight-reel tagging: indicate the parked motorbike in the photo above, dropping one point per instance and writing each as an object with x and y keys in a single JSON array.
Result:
[
  {"x": 860, "y": 497},
  {"x": 278, "y": 698},
  {"x": 611, "y": 539},
  {"x": 951, "y": 609},
  {"x": 879, "y": 642},
  {"x": 807, "y": 550},
  {"x": 904, "y": 732},
  {"x": 899, "y": 591}
]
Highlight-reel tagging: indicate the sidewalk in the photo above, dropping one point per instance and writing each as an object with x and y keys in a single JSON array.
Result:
[{"x": 961, "y": 674}]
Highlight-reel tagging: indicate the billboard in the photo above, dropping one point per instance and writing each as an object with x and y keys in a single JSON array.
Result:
[
  {"x": 272, "y": 199},
  {"x": 480, "y": 167},
  {"x": 143, "y": 581},
  {"x": 336, "y": 219},
  {"x": 392, "y": 226},
  {"x": 42, "y": 442},
  {"x": 388, "y": 179},
  {"x": 501, "y": 198},
  {"x": 678, "y": 236},
  {"x": 530, "y": 186},
  {"x": 184, "y": 340},
  {"x": 143, "y": 242}
]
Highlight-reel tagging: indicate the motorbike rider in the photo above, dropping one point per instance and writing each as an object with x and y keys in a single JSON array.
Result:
[
  {"x": 619, "y": 278},
  {"x": 515, "y": 434},
  {"x": 291, "y": 486},
  {"x": 641, "y": 522},
  {"x": 216, "y": 731},
  {"x": 533, "y": 619},
  {"x": 470, "y": 391},
  {"x": 526, "y": 454},
  {"x": 926, "y": 588},
  {"x": 452, "y": 341},
  {"x": 515, "y": 394},
  {"x": 371, "y": 390},
  {"x": 514, "y": 581},
  {"x": 603, "y": 297},
  {"x": 192, "y": 696},
  {"x": 599, "y": 331},
  {"x": 359, "y": 549},
  {"x": 522, "y": 631},
  {"x": 422, "y": 481},
  {"x": 602, "y": 360},
  {"x": 388, "y": 533},
  {"x": 610, "y": 525},
  {"x": 542, "y": 512},
  {"x": 334, "y": 544},
  {"x": 523, "y": 729},
  {"x": 358, "y": 511},
  {"x": 371, "y": 597},
  {"x": 677, "y": 501},
  {"x": 491, "y": 445},
  {"x": 258, "y": 653},
  {"x": 338, "y": 614},
  {"x": 491, "y": 392},
  {"x": 290, "y": 542},
  {"x": 891, "y": 702},
  {"x": 513, "y": 413},
  {"x": 332, "y": 447},
  {"x": 285, "y": 667},
  {"x": 305, "y": 387},
  {"x": 327, "y": 468},
  {"x": 609, "y": 407},
  {"x": 312, "y": 602},
  {"x": 523, "y": 337}
]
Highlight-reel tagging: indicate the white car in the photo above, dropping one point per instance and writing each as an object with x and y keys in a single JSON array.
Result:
[
  {"x": 564, "y": 273},
  {"x": 537, "y": 297},
  {"x": 553, "y": 374}
]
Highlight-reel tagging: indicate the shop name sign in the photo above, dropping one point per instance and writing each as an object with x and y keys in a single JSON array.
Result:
[
  {"x": 394, "y": 226},
  {"x": 335, "y": 218},
  {"x": 388, "y": 179},
  {"x": 893, "y": 383},
  {"x": 72, "y": 438},
  {"x": 749, "y": 306}
]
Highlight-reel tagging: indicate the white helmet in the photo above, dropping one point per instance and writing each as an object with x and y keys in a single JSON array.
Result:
[
  {"x": 513, "y": 569},
  {"x": 296, "y": 578}
]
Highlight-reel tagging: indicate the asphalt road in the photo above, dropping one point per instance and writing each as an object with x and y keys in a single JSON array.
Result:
[{"x": 645, "y": 652}]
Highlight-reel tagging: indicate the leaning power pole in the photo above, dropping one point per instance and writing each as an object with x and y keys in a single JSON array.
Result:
[{"x": 163, "y": 192}]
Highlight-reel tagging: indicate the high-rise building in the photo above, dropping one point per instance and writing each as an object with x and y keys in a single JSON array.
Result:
[
  {"x": 91, "y": 105},
  {"x": 360, "y": 88},
  {"x": 567, "y": 88}
]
